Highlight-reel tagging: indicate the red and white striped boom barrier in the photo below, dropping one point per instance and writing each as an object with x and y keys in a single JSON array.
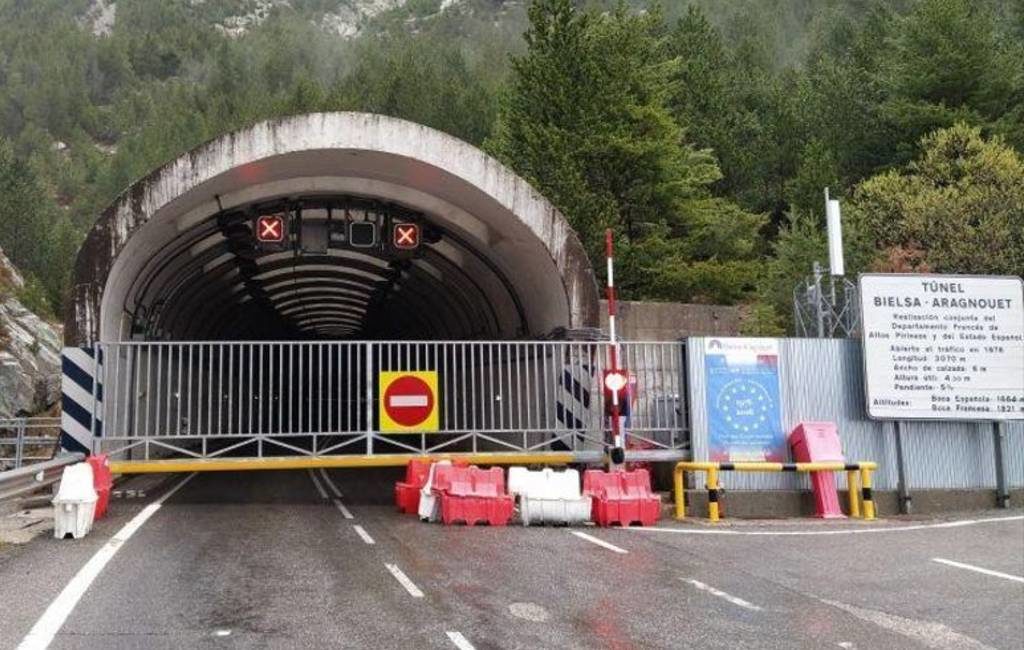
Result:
[{"x": 615, "y": 381}]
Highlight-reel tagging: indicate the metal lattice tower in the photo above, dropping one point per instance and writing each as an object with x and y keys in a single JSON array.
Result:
[{"x": 826, "y": 306}]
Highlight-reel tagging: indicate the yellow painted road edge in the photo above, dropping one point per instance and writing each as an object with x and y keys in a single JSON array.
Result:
[{"x": 308, "y": 462}]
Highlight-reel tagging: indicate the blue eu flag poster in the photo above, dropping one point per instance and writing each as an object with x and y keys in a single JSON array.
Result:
[{"x": 744, "y": 413}]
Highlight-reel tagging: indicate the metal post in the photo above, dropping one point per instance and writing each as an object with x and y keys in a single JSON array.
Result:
[
  {"x": 818, "y": 300},
  {"x": 867, "y": 499},
  {"x": 999, "y": 444},
  {"x": 679, "y": 487},
  {"x": 369, "y": 399},
  {"x": 851, "y": 492},
  {"x": 19, "y": 444},
  {"x": 902, "y": 479},
  {"x": 713, "y": 494},
  {"x": 95, "y": 385}
]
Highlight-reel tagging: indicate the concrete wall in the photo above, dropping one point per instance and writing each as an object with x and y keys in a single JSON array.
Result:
[{"x": 671, "y": 321}]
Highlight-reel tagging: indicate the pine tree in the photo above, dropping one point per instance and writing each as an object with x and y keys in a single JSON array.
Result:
[{"x": 586, "y": 120}]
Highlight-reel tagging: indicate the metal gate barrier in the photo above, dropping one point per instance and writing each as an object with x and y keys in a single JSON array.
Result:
[{"x": 156, "y": 400}]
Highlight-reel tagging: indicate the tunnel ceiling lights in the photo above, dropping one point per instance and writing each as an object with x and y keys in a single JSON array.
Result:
[{"x": 397, "y": 282}]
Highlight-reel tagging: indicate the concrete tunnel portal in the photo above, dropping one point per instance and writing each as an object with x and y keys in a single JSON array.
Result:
[{"x": 175, "y": 257}]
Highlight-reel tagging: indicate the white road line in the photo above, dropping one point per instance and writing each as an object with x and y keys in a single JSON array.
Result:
[
  {"x": 852, "y": 531},
  {"x": 724, "y": 596},
  {"x": 927, "y": 633},
  {"x": 460, "y": 641},
  {"x": 330, "y": 483},
  {"x": 342, "y": 509},
  {"x": 404, "y": 580},
  {"x": 599, "y": 542},
  {"x": 365, "y": 535},
  {"x": 971, "y": 567},
  {"x": 319, "y": 488},
  {"x": 42, "y": 633}
]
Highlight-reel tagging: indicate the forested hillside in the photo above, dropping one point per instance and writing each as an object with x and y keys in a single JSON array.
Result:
[{"x": 703, "y": 131}]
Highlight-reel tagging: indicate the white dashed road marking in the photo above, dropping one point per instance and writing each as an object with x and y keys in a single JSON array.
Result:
[
  {"x": 404, "y": 580},
  {"x": 460, "y": 641},
  {"x": 599, "y": 542},
  {"x": 330, "y": 483},
  {"x": 53, "y": 618},
  {"x": 319, "y": 488},
  {"x": 342, "y": 509},
  {"x": 363, "y": 534},
  {"x": 724, "y": 596},
  {"x": 978, "y": 569}
]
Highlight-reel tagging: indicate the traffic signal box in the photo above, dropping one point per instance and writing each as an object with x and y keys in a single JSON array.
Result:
[{"x": 396, "y": 239}]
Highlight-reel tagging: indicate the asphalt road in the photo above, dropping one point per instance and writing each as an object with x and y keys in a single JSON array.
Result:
[{"x": 263, "y": 559}]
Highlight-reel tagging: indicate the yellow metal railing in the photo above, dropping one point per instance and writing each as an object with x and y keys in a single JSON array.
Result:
[{"x": 860, "y": 499}]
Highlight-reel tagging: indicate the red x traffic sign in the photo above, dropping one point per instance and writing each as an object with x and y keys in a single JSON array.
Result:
[
  {"x": 270, "y": 229},
  {"x": 407, "y": 235}
]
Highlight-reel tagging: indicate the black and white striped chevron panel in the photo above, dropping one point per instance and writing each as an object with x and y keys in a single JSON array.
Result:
[
  {"x": 573, "y": 399},
  {"x": 81, "y": 404}
]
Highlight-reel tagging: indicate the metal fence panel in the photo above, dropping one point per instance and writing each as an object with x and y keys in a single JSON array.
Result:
[
  {"x": 823, "y": 379},
  {"x": 322, "y": 397},
  {"x": 24, "y": 441}
]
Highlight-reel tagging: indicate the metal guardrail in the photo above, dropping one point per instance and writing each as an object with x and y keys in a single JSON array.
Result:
[
  {"x": 27, "y": 440},
  {"x": 714, "y": 493},
  {"x": 18, "y": 482}
]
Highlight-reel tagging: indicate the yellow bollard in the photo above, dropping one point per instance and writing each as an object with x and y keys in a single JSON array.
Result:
[
  {"x": 869, "y": 504},
  {"x": 678, "y": 485},
  {"x": 713, "y": 493},
  {"x": 851, "y": 488}
]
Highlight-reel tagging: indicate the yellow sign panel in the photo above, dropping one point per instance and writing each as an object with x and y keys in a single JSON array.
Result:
[{"x": 408, "y": 402}]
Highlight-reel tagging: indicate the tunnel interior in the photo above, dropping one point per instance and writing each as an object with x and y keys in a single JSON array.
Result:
[{"x": 348, "y": 267}]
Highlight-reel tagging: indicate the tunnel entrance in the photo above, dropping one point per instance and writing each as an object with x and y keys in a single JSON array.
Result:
[
  {"x": 251, "y": 297},
  {"x": 176, "y": 258}
]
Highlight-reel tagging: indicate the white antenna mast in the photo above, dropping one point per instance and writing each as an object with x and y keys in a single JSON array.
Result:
[{"x": 835, "y": 236}]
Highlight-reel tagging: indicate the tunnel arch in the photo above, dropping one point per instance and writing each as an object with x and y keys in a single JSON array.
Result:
[{"x": 172, "y": 258}]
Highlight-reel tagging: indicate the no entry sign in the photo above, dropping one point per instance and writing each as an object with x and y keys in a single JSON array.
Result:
[{"x": 408, "y": 402}]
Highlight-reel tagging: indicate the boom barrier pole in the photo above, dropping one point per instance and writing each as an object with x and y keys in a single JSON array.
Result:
[{"x": 618, "y": 453}]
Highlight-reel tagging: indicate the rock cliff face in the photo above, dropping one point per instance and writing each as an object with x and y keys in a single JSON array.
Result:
[{"x": 29, "y": 352}]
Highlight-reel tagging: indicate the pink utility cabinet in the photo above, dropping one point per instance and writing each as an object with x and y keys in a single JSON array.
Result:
[{"x": 818, "y": 442}]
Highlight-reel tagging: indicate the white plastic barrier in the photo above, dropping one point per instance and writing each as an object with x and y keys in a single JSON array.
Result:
[
  {"x": 74, "y": 507},
  {"x": 429, "y": 510},
  {"x": 547, "y": 496}
]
